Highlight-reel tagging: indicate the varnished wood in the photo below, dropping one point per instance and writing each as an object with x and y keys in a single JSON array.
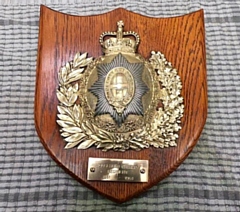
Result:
[{"x": 181, "y": 39}]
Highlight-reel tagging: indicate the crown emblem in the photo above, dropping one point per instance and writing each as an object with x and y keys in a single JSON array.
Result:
[{"x": 118, "y": 43}]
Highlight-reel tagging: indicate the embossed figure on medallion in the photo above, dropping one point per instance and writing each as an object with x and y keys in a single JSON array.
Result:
[
  {"x": 119, "y": 88},
  {"x": 113, "y": 101}
]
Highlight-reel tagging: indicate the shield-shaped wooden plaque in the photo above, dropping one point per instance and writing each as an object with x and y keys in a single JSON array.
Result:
[{"x": 180, "y": 39}]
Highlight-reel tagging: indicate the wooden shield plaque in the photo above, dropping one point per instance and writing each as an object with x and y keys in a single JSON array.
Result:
[{"x": 61, "y": 37}]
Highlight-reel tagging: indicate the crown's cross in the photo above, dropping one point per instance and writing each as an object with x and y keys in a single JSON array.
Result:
[{"x": 120, "y": 30}]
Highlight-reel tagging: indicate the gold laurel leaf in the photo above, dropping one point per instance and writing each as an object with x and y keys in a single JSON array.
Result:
[
  {"x": 86, "y": 144},
  {"x": 75, "y": 137},
  {"x": 69, "y": 90},
  {"x": 85, "y": 62},
  {"x": 71, "y": 145},
  {"x": 87, "y": 127},
  {"x": 82, "y": 56},
  {"x": 68, "y": 67},
  {"x": 103, "y": 133},
  {"x": 106, "y": 146},
  {"x": 140, "y": 144},
  {"x": 60, "y": 78},
  {"x": 63, "y": 73},
  {"x": 78, "y": 113},
  {"x": 72, "y": 129},
  {"x": 65, "y": 123},
  {"x": 94, "y": 137},
  {"x": 73, "y": 98},
  {"x": 82, "y": 138},
  {"x": 103, "y": 137},
  {"x": 75, "y": 87},
  {"x": 74, "y": 79},
  {"x": 65, "y": 118},
  {"x": 63, "y": 110},
  {"x": 79, "y": 60},
  {"x": 106, "y": 141},
  {"x": 65, "y": 134},
  {"x": 75, "y": 73},
  {"x": 62, "y": 98},
  {"x": 76, "y": 57},
  {"x": 62, "y": 89}
]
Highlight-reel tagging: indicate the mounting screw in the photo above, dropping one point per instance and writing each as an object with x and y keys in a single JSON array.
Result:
[
  {"x": 92, "y": 169},
  {"x": 142, "y": 171}
]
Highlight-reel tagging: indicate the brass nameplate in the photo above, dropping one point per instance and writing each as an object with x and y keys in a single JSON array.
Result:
[{"x": 106, "y": 169}]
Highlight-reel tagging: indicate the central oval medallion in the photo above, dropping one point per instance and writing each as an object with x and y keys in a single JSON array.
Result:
[{"x": 119, "y": 88}]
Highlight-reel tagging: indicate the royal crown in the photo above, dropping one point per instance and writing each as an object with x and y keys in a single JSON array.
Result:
[{"x": 118, "y": 43}]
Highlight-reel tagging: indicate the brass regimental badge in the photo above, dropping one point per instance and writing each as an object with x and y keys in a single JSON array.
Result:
[{"x": 119, "y": 101}]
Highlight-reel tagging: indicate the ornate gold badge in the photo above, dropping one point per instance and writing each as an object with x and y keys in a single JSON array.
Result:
[{"x": 119, "y": 101}]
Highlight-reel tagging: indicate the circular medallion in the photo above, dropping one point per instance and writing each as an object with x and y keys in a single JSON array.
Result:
[{"x": 119, "y": 88}]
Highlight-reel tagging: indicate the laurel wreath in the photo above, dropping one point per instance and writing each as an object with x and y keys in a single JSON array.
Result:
[{"x": 79, "y": 132}]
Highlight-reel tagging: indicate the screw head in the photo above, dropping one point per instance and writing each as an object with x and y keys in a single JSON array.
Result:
[{"x": 92, "y": 169}]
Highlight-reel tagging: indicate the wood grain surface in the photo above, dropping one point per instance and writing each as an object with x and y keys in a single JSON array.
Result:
[{"x": 181, "y": 39}]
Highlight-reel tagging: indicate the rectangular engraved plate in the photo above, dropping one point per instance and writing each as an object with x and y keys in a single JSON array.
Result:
[{"x": 106, "y": 169}]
